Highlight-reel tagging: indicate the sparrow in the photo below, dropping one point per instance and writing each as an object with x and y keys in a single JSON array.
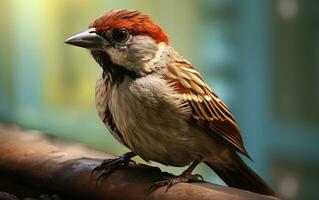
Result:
[{"x": 157, "y": 104}]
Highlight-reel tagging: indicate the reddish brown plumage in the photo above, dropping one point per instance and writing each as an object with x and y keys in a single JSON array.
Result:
[
  {"x": 178, "y": 87},
  {"x": 134, "y": 21}
]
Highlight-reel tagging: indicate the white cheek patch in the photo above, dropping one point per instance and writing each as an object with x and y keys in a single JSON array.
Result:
[
  {"x": 118, "y": 56},
  {"x": 141, "y": 54}
]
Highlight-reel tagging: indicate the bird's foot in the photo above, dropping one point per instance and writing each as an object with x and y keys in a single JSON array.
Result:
[
  {"x": 108, "y": 166},
  {"x": 172, "y": 180}
]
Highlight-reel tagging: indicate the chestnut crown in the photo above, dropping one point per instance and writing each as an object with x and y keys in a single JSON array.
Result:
[{"x": 134, "y": 22}]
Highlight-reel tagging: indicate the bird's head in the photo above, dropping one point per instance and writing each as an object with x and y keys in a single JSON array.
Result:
[{"x": 126, "y": 38}]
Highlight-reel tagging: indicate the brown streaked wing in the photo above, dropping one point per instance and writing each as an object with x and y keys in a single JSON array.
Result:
[{"x": 210, "y": 114}]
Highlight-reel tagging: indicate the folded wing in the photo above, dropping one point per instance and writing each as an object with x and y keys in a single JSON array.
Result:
[{"x": 209, "y": 113}]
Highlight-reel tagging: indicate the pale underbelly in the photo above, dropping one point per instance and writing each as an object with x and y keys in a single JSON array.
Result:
[{"x": 168, "y": 145}]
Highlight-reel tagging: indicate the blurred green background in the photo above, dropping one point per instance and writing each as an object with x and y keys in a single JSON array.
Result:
[{"x": 261, "y": 57}]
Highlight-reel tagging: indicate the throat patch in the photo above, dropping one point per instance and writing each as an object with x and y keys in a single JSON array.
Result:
[{"x": 116, "y": 72}]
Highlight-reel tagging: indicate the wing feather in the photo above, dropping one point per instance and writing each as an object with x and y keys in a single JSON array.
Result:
[{"x": 209, "y": 113}]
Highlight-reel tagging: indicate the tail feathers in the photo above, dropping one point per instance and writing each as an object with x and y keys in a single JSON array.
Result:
[{"x": 239, "y": 175}]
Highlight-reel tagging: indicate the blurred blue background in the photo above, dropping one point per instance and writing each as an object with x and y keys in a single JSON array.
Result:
[{"x": 261, "y": 57}]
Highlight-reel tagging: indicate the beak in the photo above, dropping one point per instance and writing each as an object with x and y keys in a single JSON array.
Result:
[{"x": 88, "y": 39}]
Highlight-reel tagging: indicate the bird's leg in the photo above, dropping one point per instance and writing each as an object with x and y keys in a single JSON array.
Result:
[
  {"x": 108, "y": 166},
  {"x": 185, "y": 177}
]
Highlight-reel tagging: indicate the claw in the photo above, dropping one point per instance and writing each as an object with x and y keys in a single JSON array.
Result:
[
  {"x": 170, "y": 184},
  {"x": 102, "y": 166},
  {"x": 162, "y": 181},
  {"x": 172, "y": 180},
  {"x": 107, "y": 167},
  {"x": 157, "y": 185}
]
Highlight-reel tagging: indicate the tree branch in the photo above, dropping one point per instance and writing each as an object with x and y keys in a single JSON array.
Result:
[{"x": 32, "y": 164}]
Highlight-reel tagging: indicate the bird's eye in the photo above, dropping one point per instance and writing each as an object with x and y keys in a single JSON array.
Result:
[{"x": 120, "y": 35}]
